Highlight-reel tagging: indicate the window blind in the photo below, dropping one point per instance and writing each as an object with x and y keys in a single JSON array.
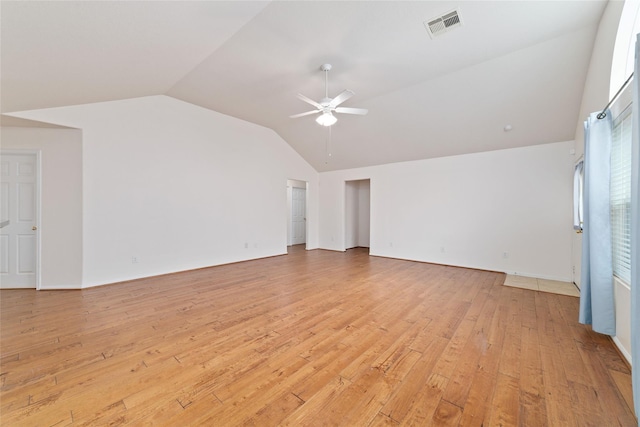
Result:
[{"x": 621, "y": 195}]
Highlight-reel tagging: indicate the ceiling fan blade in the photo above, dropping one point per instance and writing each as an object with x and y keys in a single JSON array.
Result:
[
  {"x": 343, "y": 96},
  {"x": 295, "y": 116},
  {"x": 359, "y": 111},
  {"x": 310, "y": 101}
]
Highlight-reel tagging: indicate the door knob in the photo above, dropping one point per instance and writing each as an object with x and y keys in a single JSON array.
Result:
[{"x": 34, "y": 228}]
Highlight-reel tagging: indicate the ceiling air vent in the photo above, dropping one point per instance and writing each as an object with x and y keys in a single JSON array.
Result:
[{"x": 442, "y": 24}]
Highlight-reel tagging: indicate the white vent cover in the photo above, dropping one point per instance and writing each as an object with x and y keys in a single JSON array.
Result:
[{"x": 442, "y": 24}]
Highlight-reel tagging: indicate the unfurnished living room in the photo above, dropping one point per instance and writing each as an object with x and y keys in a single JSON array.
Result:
[{"x": 305, "y": 213}]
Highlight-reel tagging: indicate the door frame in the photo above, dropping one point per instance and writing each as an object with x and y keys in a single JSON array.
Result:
[{"x": 38, "y": 155}]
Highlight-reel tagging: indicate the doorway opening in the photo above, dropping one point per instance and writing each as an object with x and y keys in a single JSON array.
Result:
[
  {"x": 296, "y": 212},
  {"x": 357, "y": 213}
]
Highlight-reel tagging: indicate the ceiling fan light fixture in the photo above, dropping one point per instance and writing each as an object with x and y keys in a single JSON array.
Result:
[
  {"x": 326, "y": 119},
  {"x": 327, "y": 105}
]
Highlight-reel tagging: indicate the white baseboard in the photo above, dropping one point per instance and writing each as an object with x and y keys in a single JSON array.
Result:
[{"x": 623, "y": 350}]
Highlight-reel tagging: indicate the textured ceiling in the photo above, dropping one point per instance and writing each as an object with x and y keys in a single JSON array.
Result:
[{"x": 512, "y": 62}]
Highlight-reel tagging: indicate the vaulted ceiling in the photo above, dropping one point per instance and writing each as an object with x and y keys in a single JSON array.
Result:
[{"x": 518, "y": 63}]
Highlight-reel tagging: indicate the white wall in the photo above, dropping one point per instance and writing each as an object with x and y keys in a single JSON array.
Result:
[
  {"x": 351, "y": 214},
  {"x": 622, "y": 298},
  {"x": 179, "y": 187},
  {"x": 364, "y": 213},
  {"x": 466, "y": 210},
  {"x": 596, "y": 88},
  {"x": 61, "y": 200}
]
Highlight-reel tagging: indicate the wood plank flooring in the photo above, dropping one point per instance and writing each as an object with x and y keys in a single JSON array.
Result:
[{"x": 310, "y": 338}]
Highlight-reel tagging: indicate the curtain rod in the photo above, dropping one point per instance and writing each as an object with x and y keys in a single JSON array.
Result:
[{"x": 603, "y": 113}]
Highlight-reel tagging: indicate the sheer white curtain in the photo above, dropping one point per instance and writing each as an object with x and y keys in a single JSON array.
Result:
[
  {"x": 597, "y": 306},
  {"x": 577, "y": 196}
]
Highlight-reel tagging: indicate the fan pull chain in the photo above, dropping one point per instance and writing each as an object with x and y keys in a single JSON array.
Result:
[{"x": 327, "y": 147}]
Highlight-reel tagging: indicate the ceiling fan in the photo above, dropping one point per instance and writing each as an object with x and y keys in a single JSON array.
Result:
[{"x": 327, "y": 106}]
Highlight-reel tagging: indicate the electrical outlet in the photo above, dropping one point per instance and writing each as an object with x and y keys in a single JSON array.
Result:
[
  {"x": 134, "y": 260},
  {"x": 246, "y": 245},
  {"x": 442, "y": 249},
  {"x": 505, "y": 255}
]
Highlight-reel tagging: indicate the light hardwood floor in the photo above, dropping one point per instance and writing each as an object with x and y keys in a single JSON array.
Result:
[{"x": 310, "y": 338}]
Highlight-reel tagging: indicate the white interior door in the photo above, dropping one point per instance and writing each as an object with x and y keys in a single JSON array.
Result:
[
  {"x": 18, "y": 216},
  {"x": 298, "y": 216}
]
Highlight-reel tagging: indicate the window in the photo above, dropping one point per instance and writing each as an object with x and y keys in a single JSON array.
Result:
[{"x": 621, "y": 195}]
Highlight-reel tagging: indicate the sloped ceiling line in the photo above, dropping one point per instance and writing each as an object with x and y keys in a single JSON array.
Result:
[{"x": 250, "y": 59}]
